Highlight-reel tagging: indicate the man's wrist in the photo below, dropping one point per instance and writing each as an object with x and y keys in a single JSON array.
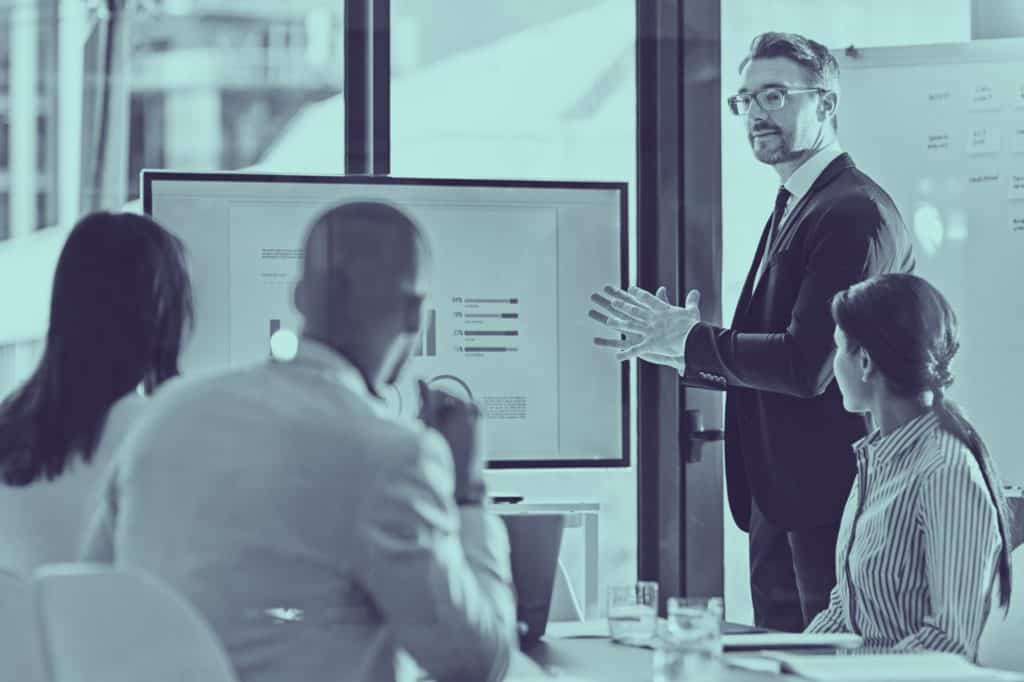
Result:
[
  {"x": 681, "y": 359},
  {"x": 471, "y": 494}
]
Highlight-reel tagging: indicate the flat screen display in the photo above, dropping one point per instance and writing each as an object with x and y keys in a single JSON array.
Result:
[{"x": 514, "y": 264}]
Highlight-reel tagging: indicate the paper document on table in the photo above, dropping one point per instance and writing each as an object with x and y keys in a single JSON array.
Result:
[
  {"x": 577, "y": 629},
  {"x": 545, "y": 677},
  {"x": 524, "y": 669},
  {"x": 895, "y": 667},
  {"x": 791, "y": 640}
]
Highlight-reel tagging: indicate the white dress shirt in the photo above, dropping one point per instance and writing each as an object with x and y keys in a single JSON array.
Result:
[
  {"x": 317, "y": 534},
  {"x": 918, "y": 544}
]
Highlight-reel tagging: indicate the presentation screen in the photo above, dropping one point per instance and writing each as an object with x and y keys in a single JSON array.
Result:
[{"x": 505, "y": 321}]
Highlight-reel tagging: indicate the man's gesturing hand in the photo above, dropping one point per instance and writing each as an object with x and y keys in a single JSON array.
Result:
[{"x": 653, "y": 329}]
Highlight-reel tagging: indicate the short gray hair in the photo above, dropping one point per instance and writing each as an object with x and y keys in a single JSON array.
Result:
[{"x": 814, "y": 57}]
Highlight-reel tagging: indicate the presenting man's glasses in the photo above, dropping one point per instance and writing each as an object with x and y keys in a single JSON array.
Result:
[{"x": 769, "y": 99}]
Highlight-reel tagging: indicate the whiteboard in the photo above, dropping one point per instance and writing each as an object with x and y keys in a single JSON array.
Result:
[{"x": 941, "y": 128}]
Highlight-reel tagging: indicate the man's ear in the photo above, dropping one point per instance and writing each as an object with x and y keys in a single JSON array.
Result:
[{"x": 829, "y": 104}]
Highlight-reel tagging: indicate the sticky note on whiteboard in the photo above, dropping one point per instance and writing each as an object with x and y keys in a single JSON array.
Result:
[
  {"x": 1016, "y": 188},
  {"x": 983, "y": 140},
  {"x": 1017, "y": 223},
  {"x": 1017, "y": 141},
  {"x": 938, "y": 145},
  {"x": 983, "y": 98}
]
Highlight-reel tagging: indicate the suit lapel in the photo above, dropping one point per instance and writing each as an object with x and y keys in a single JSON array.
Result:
[
  {"x": 748, "y": 285},
  {"x": 787, "y": 231},
  {"x": 789, "y": 228}
]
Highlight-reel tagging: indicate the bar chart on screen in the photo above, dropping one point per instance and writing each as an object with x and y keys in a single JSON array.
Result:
[{"x": 486, "y": 325}]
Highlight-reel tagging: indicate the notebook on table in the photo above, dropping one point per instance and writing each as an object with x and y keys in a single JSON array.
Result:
[{"x": 855, "y": 666}]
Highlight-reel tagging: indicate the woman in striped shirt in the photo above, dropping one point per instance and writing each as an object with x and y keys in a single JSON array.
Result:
[{"x": 925, "y": 528}]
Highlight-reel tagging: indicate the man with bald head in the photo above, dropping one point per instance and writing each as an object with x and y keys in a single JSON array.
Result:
[{"x": 322, "y": 538}]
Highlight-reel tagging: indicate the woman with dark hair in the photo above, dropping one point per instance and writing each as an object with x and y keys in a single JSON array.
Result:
[
  {"x": 925, "y": 531},
  {"x": 120, "y": 307}
]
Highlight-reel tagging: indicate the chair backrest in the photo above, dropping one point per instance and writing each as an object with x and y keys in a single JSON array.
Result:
[
  {"x": 1002, "y": 641},
  {"x": 534, "y": 542},
  {"x": 107, "y": 624},
  {"x": 21, "y": 655}
]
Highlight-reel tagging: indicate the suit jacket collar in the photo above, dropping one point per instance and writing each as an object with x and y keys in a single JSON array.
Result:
[
  {"x": 803, "y": 178},
  {"x": 831, "y": 172},
  {"x": 838, "y": 165},
  {"x": 316, "y": 356}
]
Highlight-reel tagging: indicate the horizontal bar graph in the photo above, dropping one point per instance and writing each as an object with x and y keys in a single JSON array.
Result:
[{"x": 475, "y": 318}]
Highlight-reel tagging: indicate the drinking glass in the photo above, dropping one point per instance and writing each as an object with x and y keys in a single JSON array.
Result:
[
  {"x": 689, "y": 647},
  {"x": 633, "y": 612}
]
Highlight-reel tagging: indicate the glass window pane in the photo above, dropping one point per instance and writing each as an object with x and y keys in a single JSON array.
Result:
[
  {"x": 526, "y": 90},
  {"x": 28, "y": 110},
  {"x": 46, "y": 121},
  {"x": 217, "y": 86}
]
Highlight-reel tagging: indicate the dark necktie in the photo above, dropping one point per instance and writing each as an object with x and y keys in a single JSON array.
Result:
[{"x": 781, "y": 199}]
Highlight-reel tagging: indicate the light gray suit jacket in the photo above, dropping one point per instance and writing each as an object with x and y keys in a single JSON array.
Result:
[{"x": 318, "y": 535}]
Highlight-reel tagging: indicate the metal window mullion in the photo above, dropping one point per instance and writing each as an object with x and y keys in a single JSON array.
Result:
[
  {"x": 367, "y": 87},
  {"x": 24, "y": 109}
]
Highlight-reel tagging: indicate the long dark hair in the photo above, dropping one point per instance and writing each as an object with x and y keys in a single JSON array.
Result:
[
  {"x": 909, "y": 329},
  {"x": 120, "y": 308}
]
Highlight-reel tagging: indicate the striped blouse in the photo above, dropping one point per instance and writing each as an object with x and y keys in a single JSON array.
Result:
[{"x": 918, "y": 544}]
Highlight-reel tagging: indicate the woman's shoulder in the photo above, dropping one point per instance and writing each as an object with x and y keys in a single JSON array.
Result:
[
  {"x": 943, "y": 456},
  {"x": 125, "y": 411},
  {"x": 120, "y": 418}
]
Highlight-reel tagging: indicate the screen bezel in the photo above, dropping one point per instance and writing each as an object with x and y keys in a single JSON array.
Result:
[{"x": 148, "y": 177}]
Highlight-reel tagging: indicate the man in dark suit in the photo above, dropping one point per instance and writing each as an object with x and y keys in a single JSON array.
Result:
[{"x": 789, "y": 462}]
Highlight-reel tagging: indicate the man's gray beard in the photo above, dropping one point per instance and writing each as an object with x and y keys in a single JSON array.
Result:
[{"x": 775, "y": 156}]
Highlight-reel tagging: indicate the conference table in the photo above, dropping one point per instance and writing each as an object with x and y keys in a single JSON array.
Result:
[
  {"x": 601, "y": 660},
  {"x": 598, "y": 659}
]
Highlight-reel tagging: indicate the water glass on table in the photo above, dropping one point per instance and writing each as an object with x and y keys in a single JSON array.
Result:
[
  {"x": 633, "y": 612},
  {"x": 689, "y": 646}
]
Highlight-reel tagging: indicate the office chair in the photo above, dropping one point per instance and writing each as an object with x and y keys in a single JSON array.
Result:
[
  {"x": 106, "y": 624},
  {"x": 21, "y": 656},
  {"x": 1000, "y": 645}
]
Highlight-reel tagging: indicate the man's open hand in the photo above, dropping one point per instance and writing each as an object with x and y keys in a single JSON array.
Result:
[{"x": 651, "y": 328}]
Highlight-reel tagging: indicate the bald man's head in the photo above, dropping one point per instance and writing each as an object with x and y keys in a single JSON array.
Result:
[{"x": 362, "y": 284}]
